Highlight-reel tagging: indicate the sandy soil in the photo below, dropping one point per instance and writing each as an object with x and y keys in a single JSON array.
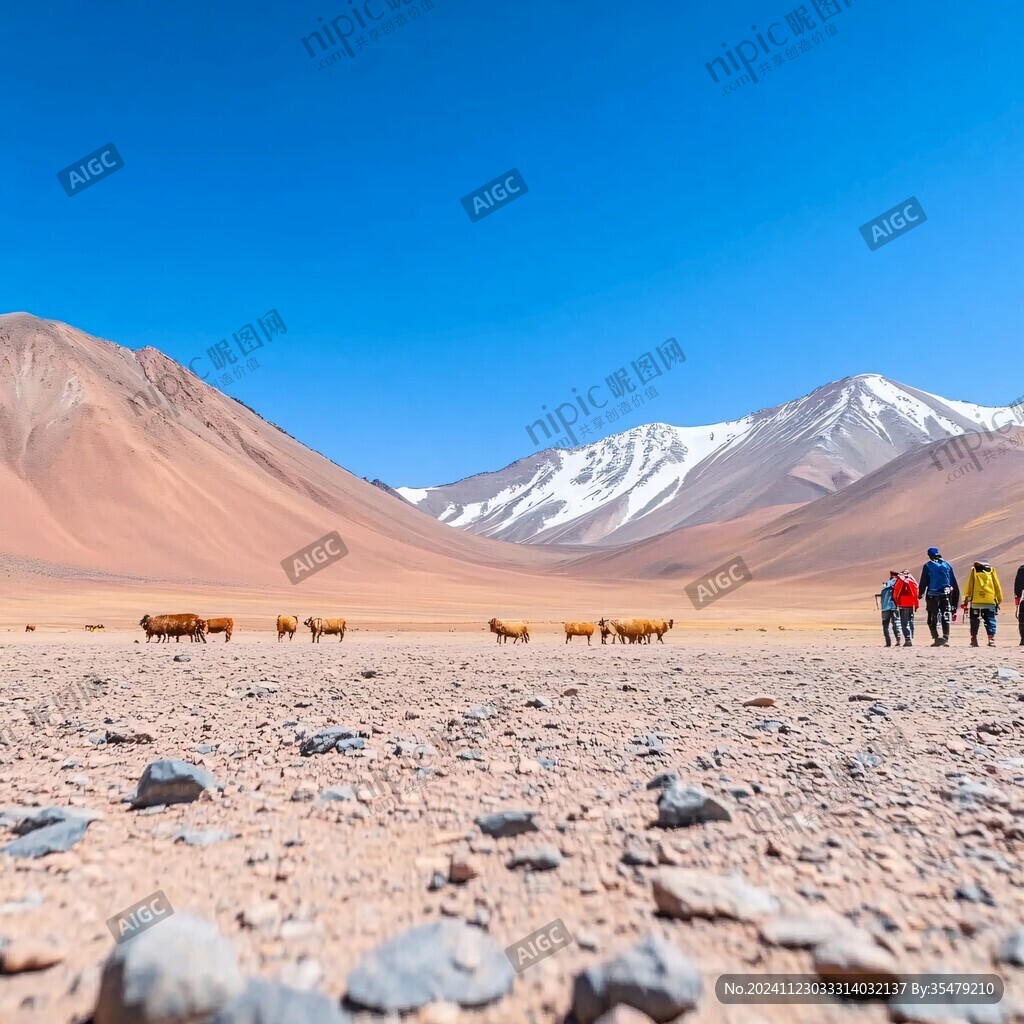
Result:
[{"x": 307, "y": 886}]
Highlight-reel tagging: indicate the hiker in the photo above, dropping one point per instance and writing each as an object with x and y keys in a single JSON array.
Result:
[
  {"x": 1018, "y": 593},
  {"x": 942, "y": 595},
  {"x": 905, "y": 597},
  {"x": 984, "y": 595},
  {"x": 890, "y": 615}
]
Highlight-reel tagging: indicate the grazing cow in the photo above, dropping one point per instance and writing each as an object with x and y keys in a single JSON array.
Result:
[
  {"x": 30, "y": 628},
  {"x": 318, "y": 627},
  {"x": 163, "y": 627},
  {"x": 633, "y": 630},
  {"x": 287, "y": 624},
  {"x": 517, "y": 629},
  {"x": 661, "y": 627},
  {"x": 225, "y": 626},
  {"x": 579, "y": 629}
]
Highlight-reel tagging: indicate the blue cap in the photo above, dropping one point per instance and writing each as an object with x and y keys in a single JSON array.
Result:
[{"x": 933, "y": 552}]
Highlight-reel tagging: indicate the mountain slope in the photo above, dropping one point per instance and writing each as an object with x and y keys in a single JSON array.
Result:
[
  {"x": 657, "y": 477},
  {"x": 99, "y": 481}
]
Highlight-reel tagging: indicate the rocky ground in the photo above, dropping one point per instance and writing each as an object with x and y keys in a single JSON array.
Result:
[{"x": 742, "y": 803}]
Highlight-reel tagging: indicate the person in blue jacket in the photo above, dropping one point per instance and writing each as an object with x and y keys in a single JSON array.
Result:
[
  {"x": 941, "y": 593},
  {"x": 890, "y": 613}
]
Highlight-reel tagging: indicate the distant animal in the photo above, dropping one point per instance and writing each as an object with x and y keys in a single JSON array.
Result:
[
  {"x": 225, "y": 626},
  {"x": 516, "y": 629},
  {"x": 30, "y": 628},
  {"x": 163, "y": 627},
  {"x": 633, "y": 630},
  {"x": 606, "y": 630},
  {"x": 93, "y": 629},
  {"x": 318, "y": 627},
  {"x": 660, "y": 627},
  {"x": 579, "y": 629},
  {"x": 287, "y": 624}
]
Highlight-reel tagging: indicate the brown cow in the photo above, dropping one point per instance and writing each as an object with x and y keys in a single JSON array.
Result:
[
  {"x": 225, "y": 626},
  {"x": 163, "y": 627},
  {"x": 579, "y": 629},
  {"x": 661, "y": 627},
  {"x": 30, "y": 628},
  {"x": 287, "y": 624},
  {"x": 318, "y": 627},
  {"x": 516, "y": 629}
]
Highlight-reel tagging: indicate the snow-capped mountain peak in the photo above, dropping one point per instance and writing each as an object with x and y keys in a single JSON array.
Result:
[{"x": 658, "y": 477}]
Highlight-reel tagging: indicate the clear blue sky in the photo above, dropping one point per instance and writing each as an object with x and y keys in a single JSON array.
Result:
[{"x": 420, "y": 344}]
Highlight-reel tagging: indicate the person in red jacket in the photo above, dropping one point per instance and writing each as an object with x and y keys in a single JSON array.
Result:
[{"x": 905, "y": 596}]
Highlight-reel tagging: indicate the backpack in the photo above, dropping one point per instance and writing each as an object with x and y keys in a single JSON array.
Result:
[{"x": 904, "y": 593}]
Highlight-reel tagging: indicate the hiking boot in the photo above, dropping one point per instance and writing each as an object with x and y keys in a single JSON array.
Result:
[
  {"x": 974, "y": 641},
  {"x": 910, "y": 643},
  {"x": 888, "y": 643},
  {"x": 938, "y": 642},
  {"x": 991, "y": 641}
]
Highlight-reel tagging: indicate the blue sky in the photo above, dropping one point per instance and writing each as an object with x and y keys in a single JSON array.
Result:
[{"x": 419, "y": 343}]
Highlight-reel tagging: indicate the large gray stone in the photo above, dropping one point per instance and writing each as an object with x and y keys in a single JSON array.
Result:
[
  {"x": 171, "y": 782},
  {"x": 680, "y": 807},
  {"x": 687, "y": 893},
  {"x": 56, "y": 838},
  {"x": 267, "y": 1002},
  {"x": 654, "y": 976},
  {"x": 326, "y": 739},
  {"x": 180, "y": 970},
  {"x": 445, "y": 960},
  {"x": 40, "y": 817},
  {"x": 503, "y": 824},
  {"x": 1011, "y": 949}
]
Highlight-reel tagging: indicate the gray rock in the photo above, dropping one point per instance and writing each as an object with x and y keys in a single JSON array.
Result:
[
  {"x": 770, "y": 725},
  {"x": 171, "y": 782},
  {"x": 853, "y": 952},
  {"x": 946, "y": 1013},
  {"x": 1011, "y": 949},
  {"x": 182, "y": 657},
  {"x": 444, "y": 960},
  {"x": 804, "y": 931},
  {"x": 350, "y": 743},
  {"x": 973, "y": 894},
  {"x": 40, "y": 817},
  {"x": 538, "y": 702},
  {"x": 970, "y": 794},
  {"x": 503, "y": 824},
  {"x": 197, "y": 837},
  {"x": 338, "y": 793},
  {"x": 1007, "y": 675},
  {"x": 687, "y": 893},
  {"x": 481, "y": 712},
  {"x": 182, "y": 970},
  {"x": 267, "y": 1002},
  {"x": 470, "y": 755},
  {"x": 654, "y": 976},
  {"x": 541, "y": 858},
  {"x": 326, "y": 739},
  {"x": 663, "y": 780},
  {"x": 207, "y": 748},
  {"x": 56, "y": 838},
  {"x": 680, "y": 807}
]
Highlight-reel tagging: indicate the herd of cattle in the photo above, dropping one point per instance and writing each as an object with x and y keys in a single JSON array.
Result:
[
  {"x": 163, "y": 627},
  {"x": 633, "y": 630}
]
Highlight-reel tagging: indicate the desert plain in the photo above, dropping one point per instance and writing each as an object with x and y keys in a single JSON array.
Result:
[{"x": 865, "y": 813}]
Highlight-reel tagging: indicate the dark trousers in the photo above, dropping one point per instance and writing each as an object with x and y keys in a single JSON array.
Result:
[
  {"x": 989, "y": 615},
  {"x": 1020, "y": 624},
  {"x": 891, "y": 618},
  {"x": 906, "y": 623},
  {"x": 939, "y": 612}
]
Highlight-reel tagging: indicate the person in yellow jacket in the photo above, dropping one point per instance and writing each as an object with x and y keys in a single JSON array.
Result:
[{"x": 984, "y": 595}]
